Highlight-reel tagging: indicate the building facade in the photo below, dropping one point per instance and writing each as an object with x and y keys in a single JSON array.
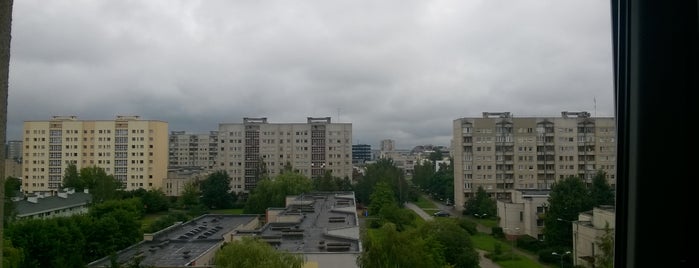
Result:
[
  {"x": 134, "y": 151},
  {"x": 588, "y": 231},
  {"x": 256, "y": 146},
  {"x": 361, "y": 153},
  {"x": 524, "y": 213},
  {"x": 501, "y": 153},
  {"x": 188, "y": 150}
]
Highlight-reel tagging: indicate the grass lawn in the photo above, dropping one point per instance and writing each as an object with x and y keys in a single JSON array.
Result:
[
  {"x": 487, "y": 242},
  {"x": 424, "y": 203}
]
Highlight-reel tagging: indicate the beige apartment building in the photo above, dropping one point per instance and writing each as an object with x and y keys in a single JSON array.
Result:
[
  {"x": 312, "y": 148},
  {"x": 192, "y": 150},
  {"x": 502, "y": 153},
  {"x": 135, "y": 151}
]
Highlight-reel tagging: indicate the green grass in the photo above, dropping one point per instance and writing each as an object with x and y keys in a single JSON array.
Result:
[
  {"x": 487, "y": 242},
  {"x": 424, "y": 203},
  {"x": 490, "y": 223}
]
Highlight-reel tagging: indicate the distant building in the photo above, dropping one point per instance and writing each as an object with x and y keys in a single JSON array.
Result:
[
  {"x": 190, "y": 150},
  {"x": 502, "y": 153},
  {"x": 177, "y": 179},
  {"x": 587, "y": 230},
  {"x": 131, "y": 149},
  {"x": 387, "y": 145},
  {"x": 361, "y": 153},
  {"x": 13, "y": 168},
  {"x": 13, "y": 150},
  {"x": 63, "y": 204},
  {"x": 257, "y": 146}
]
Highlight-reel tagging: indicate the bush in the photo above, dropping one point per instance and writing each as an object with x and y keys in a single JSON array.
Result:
[
  {"x": 469, "y": 226},
  {"x": 546, "y": 256},
  {"x": 530, "y": 243},
  {"x": 497, "y": 232}
]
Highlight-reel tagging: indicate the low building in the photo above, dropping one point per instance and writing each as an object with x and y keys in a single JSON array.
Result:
[
  {"x": 178, "y": 178},
  {"x": 189, "y": 244},
  {"x": 322, "y": 226},
  {"x": 587, "y": 231},
  {"x": 523, "y": 214},
  {"x": 63, "y": 204}
]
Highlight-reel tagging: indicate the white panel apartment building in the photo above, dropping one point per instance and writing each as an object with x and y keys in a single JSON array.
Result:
[
  {"x": 502, "y": 153},
  {"x": 134, "y": 151},
  {"x": 311, "y": 148},
  {"x": 189, "y": 150}
]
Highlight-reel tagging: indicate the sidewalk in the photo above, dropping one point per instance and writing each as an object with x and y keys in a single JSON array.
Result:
[{"x": 484, "y": 262}]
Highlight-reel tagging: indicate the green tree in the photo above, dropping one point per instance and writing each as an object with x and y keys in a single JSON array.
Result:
[
  {"x": 71, "y": 178},
  {"x": 389, "y": 248},
  {"x": 601, "y": 192},
  {"x": 381, "y": 197},
  {"x": 384, "y": 170},
  {"x": 190, "y": 196},
  {"x": 216, "y": 191},
  {"x": 567, "y": 199},
  {"x": 253, "y": 253},
  {"x": 456, "y": 243},
  {"x": 422, "y": 174},
  {"x": 325, "y": 183},
  {"x": 605, "y": 259},
  {"x": 102, "y": 186},
  {"x": 12, "y": 187},
  {"x": 481, "y": 204},
  {"x": 273, "y": 192},
  {"x": 12, "y": 256},
  {"x": 155, "y": 201}
]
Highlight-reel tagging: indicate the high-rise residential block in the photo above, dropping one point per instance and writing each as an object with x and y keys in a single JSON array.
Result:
[
  {"x": 502, "y": 153},
  {"x": 256, "y": 147},
  {"x": 192, "y": 150},
  {"x": 135, "y": 151}
]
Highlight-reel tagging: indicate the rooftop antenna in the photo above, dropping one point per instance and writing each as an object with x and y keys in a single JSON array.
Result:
[{"x": 594, "y": 100}]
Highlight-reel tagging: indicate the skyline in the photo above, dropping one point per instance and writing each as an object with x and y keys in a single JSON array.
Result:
[{"x": 400, "y": 70}]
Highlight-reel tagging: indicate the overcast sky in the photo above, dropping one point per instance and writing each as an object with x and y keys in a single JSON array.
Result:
[{"x": 401, "y": 70}]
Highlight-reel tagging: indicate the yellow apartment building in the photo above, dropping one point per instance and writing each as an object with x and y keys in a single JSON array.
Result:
[{"x": 135, "y": 151}]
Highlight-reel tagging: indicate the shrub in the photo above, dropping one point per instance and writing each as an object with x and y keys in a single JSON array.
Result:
[
  {"x": 530, "y": 243},
  {"x": 497, "y": 232}
]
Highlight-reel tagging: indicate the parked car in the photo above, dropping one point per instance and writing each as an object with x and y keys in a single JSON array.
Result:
[{"x": 441, "y": 214}]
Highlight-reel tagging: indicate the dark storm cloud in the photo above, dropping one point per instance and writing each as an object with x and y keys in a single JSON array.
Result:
[{"x": 401, "y": 70}]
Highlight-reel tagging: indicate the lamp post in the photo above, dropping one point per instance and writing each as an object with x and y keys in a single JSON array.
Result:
[
  {"x": 573, "y": 228},
  {"x": 560, "y": 255},
  {"x": 480, "y": 215}
]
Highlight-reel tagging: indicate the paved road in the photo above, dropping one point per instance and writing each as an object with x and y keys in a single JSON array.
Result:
[{"x": 484, "y": 262}]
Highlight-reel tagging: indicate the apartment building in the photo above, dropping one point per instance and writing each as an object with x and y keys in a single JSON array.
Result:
[
  {"x": 135, "y": 151},
  {"x": 192, "y": 150},
  {"x": 255, "y": 147},
  {"x": 501, "y": 153}
]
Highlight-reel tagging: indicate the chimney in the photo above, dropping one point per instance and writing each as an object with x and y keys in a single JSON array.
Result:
[
  {"x": 87, "y": 191},
  {"x": 33, "y": 199},
  {"x": 62, "y": 194}
]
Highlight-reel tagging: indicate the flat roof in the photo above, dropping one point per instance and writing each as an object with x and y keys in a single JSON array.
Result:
[
  {"x": 317, "y": 222},
  {"x": 51, "y": 203},
  {"x": 182, "y": 243}
]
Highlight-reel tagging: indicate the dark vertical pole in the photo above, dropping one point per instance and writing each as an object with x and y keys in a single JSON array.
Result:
[
  {"x": 656, "y": 79},
  {"x": 5, "y": 28}
]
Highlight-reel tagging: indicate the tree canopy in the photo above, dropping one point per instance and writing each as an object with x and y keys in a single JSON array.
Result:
[
  {"x": 481, "y": 204},
  {"x": 216, "y": 191},
  {"x": 272, "y": 192},
  {"x": 253, "y": 253},
  {"x": 568, "y": 197}
]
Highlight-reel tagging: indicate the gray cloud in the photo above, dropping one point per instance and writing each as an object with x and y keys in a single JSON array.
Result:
[{"x": 401, "y": 70}]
